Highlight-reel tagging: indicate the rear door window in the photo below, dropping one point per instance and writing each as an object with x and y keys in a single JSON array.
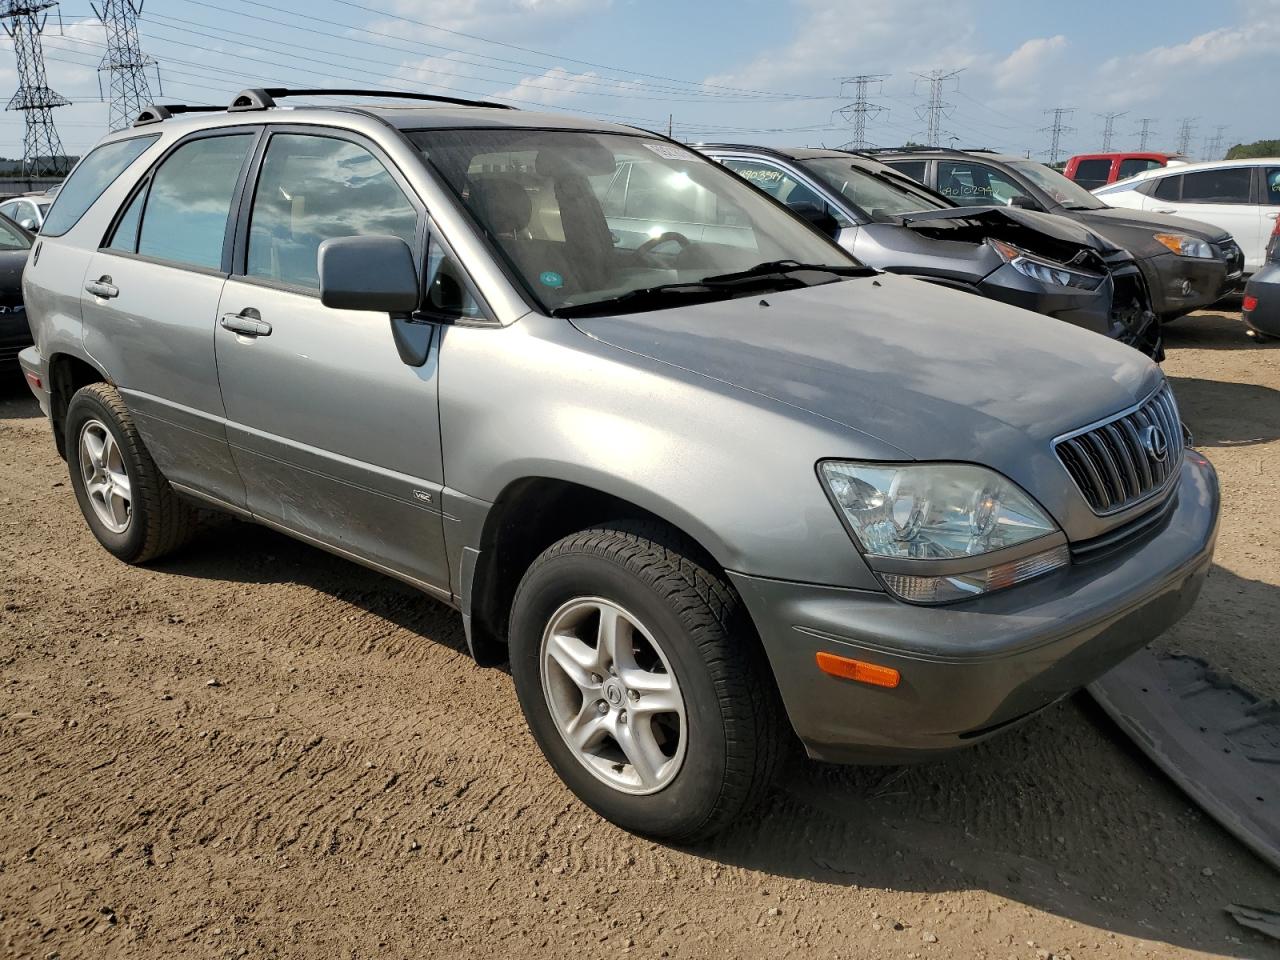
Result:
[
  {"x": 1092, "y": 173},
  {"x": 1271, "y": 186},
  {"x": 910, "y": 168},
  {"x": 1132, "y": 166},
  {"x": 187, "y": 206},
  {"x": 89, "y": 179},
  {"x": 1227, "y": 185}
]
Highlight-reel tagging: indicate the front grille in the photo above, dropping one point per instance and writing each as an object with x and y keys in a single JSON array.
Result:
[
  {"x": 1116, "y": 463},
  {"x": 1230, "y": 251}
]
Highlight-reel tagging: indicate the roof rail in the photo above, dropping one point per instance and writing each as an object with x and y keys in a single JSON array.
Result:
[
  {"x": 156, "y": 112},
  {"x": 263, "y": 98}
]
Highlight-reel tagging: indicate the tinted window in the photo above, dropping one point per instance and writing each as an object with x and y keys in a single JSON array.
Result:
[
  {"x": 976, "y": 184},
  {"x": 447, "y": 292},
  {"x": 1229, "y": 185},
  {"x": 87, "y": 181},
  {"x": 11, "y": 238},
  {"x": 1271, "y": 178},
  {"x": 125, "y": 236},
  {"x": 190, "y": 197},
  {"x": 315, "y": 188},
  {"x": 1132, "y": 167},
  {"x": 910, "y": 168},
  {"x": 1168, "y": 188},
  {"x": 1093, "y": 173}
]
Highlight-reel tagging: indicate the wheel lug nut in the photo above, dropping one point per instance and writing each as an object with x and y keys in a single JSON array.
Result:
[
  {"x": 622, "y": 717},
  {"x": 602, "y": 707},
  {"x": 595, "y": 678},
  {"x": 633, "y": 694}
]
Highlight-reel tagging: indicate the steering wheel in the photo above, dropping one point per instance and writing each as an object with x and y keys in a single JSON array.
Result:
[{"x": 650, "y": 245}]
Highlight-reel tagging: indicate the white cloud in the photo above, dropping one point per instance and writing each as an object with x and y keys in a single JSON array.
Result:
[{"x": 1027, "y": 61}]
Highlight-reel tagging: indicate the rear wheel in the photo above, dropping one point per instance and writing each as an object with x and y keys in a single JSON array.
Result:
[
  {"x": 642, "y": 682},
  {"x": 127, "y": 503}
]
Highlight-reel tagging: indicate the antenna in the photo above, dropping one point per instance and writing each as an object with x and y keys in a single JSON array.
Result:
[
  {"x": 42, "y": 153},
  {"x": 933, "y": 112},
  {"x": 1109, "y": 128},
  {"x": 1056, "y": 129},
  {"x": 861, "y": 108},
  {"x": 124, "y": 61}
]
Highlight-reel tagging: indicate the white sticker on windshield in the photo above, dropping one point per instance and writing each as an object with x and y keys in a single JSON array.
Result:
[{"x": 669, "y": 151}]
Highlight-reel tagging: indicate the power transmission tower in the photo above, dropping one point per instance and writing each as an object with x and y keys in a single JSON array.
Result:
[
  {"x": 1213, "y": 145},
  {"x": 1108, "y": 129},
  {"x": 42, "y": 154},
  {"x": 861, "y": 109},
  {"x": 1057, "y": 129},
  {"x": 124, "y": 61},
  {"x": 1186, "y": 130},
  {"x": 1144, "y": 135},
  {"x": 933, "y": 112}
]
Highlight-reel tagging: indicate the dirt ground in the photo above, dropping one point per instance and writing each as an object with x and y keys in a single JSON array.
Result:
[{"x": 255, "y": 749}]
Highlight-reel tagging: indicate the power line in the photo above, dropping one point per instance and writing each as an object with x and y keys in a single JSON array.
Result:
[
  {"x": 42, "y": 151},
  {"x": 124, "y": 62},
  {"x": 933, "y": 112},
  {"x": 1186, "y": 131},
  {"x": 1057, "y": 129},
  {"x": 1144, "y": 134},
  {"x": 861, "y": 109},
  {"x": 1109, "y": 128}
]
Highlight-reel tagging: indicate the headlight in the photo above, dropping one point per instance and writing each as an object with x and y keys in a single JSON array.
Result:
[
  {"x": 1046, "y": 271},
  {"x": 1185, "y": 246},
  {"x": 921, "y": 525}
]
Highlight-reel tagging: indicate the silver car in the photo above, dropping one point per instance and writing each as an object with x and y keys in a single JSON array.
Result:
[{"x": 708, "y": 484}]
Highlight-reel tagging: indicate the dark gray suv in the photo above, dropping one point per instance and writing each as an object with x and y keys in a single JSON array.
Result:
[{"x": 703, "y": 479}]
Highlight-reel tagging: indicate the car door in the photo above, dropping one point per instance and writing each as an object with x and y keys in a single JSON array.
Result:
[
  {"x": 1270, "y": 190},
  {"x": 1221, "y": 196},
  {"x": 337, "y": 438},
  {"x": 151, "y": 303}
]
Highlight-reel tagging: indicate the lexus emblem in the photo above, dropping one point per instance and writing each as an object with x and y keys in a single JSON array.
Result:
[{"x": 1156, "y": 443}]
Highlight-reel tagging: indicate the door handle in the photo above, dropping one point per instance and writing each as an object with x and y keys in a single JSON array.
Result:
[
  {"x": 102, "y": 287},
  {"x": 248, "y": 323},
  {"x": 1165, "y": 210}
]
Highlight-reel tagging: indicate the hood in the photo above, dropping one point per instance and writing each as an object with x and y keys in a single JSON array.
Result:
[
  {"x": 936, "y": 373},
  {"x": 1000, "y": 220},
  {"x": 1119, "y": 217}
]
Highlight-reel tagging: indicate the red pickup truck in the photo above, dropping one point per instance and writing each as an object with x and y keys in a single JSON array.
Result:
[{"x": 1092, "y": 170}]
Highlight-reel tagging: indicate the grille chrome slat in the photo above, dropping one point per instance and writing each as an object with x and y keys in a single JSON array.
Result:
[{"x": 1114, "y": 462}]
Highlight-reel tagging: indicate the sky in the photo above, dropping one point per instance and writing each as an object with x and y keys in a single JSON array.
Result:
[{"x": 753, "y": 71}]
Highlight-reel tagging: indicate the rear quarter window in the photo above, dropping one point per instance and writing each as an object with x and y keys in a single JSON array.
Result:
[
  {"x": 1092, "y": 173},
  {"x": 89, "y": 179}
]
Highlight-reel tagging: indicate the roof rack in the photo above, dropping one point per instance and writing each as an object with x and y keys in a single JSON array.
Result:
[
  {"x": 156, "y": 112},
  {"x": 264, "y": 98}
]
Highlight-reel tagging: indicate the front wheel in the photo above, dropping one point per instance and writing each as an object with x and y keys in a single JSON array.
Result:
[{"x": 642, "y": 682}]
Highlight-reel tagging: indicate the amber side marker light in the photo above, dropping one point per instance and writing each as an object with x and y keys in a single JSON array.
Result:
[
  {"x": 34, "y": 380},
  {"x": 859, "y": 670}
]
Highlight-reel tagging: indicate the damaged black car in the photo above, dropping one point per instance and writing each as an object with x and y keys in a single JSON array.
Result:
[{"x": 1022, "y": 257}]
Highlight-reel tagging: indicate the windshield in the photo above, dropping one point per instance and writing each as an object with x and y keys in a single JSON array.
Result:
[
  {"x": 11, "y": 237},
  {"x": 598, "y": 218},
  {"x": 878, "y": 196},
  {"x": 1066, "y": 192}
]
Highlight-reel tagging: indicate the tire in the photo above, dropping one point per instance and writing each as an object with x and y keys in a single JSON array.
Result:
[
  {"x": 720, "y": 753},
  {"x": 154, "y": 521}
]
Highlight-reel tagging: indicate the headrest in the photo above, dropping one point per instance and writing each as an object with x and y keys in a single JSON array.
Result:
[
  {"x": 580, "y": 156},
  {"x": 502, "y": 204}
]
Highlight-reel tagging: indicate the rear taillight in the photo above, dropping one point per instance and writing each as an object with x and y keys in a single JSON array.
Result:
[
  {"x": 1250, "y": 304},
  {"x": 1275, "y": 231}
]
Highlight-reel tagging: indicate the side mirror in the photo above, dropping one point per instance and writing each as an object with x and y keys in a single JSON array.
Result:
[
  {"x": 818, "y": 215},
  {"x": 28, "y": 225},
  {"x": 368, "y": 273},
  {"x": 1025, "y": 203}
]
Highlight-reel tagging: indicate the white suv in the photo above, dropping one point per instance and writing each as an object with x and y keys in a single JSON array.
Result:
[{"x": 1242, "y": 196}]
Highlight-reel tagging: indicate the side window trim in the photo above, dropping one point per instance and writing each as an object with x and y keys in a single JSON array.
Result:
[
  {"x": 488, "y": 318},
  {"x": 243, "y": 211},
  {"x": 144, "y": 184}
]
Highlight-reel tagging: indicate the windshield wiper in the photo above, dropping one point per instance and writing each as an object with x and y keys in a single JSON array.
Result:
[
  {"x": 646, "y": 298},
  {"x": 785, "y": 268}
]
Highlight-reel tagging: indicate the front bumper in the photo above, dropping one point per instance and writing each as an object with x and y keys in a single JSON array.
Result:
[
  {"x": 1181, "y": 284},
  {"x": 1090, "y": 309},
  {"x": 1265, "y": 286},
  {"x": 15, "y": 334},
  {"x": 976, "y": 667},
  {"x": 36, "y": 371}
]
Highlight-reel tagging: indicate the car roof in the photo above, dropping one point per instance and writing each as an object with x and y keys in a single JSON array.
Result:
[
  {"x": 1202, "y": 165},
  {"x": 1128, "y": 155},
  {"x": 907, "y": 153},
  {"x": 801, "y": 153}
]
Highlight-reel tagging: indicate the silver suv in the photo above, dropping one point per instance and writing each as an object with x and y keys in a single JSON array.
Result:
[{"x": 688, "y": 465}]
